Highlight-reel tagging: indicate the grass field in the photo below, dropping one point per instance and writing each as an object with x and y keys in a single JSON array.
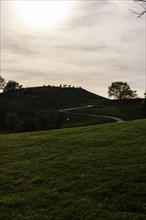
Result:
[{"x": 87, "y": 173}]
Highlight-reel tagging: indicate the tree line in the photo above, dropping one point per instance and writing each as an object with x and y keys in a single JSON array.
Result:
[
  {"x": 12, "y": 85},
  {"x": 118, "y": 89},
  {"x": 42, "y": 120},
  {"x": 9, "y": 86}
]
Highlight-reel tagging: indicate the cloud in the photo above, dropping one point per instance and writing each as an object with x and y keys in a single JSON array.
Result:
[{"x": 101, "y": 42}]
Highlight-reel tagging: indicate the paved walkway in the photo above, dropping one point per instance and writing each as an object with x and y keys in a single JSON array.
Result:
[{"x": 118, "y": 120}]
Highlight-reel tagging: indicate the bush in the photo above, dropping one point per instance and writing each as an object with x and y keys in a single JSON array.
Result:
[
  {"x": 11, "y": 120},
  {"x": 45, "y": 120}
]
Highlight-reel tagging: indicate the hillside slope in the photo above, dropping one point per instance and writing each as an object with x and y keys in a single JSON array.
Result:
[
  {"x": 27, "y": 102},
  {"x": 65, "y": 97},
  {"x": 53, "y": 97},
  {"x": 42, "y": 103},
  {"x": 95, "y": 172}
]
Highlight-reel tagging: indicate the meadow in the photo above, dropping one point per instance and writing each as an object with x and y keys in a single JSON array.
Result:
[{"x": 84, "y": 173}]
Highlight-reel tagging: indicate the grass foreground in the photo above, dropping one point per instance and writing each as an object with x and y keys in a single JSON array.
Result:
[{"x": 95, "y": 172}]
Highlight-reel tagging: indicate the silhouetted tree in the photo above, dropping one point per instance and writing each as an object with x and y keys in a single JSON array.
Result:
[
  {"x": 2, "y": 83},
  {"x": 26, "y": 124},
  {"x": 12, "y": 86},
  {"x": 43, "y": 121},
  {"x": 121, "y": 90},
  {"x": 11, "y": 120}
]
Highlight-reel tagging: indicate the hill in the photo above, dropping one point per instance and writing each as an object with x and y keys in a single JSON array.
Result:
[
  {"x": 37, "y": 108},
  {"x": 28, "y": 103},
  {"x": 95, "y": 172},
  {"x": 49, "y": 97},
  {"x": 126, "y": 109}
]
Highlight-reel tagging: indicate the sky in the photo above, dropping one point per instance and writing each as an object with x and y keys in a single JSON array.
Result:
[{"x": 80, "y": 43}]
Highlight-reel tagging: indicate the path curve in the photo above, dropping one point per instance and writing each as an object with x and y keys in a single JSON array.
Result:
[{"x": 118, "y": 120}]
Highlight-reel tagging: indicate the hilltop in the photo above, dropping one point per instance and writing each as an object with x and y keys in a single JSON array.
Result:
[{"x": 47, "y": 97}]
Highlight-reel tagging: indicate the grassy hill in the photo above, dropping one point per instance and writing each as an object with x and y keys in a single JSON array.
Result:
[
  {"x": 94, "y": 172},
  {"x": 28, "y": 103},
  {"x": 126, "y": 109},
  {"x": 47, "y": 97},
  {"x": 65, "y": 97}
]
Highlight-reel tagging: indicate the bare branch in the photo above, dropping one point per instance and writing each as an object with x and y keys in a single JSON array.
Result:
[
  {"x": 140, "y": 1},
  {"x": 141, "y": 13},
  {"x": 143, "y": 6},
  {"x": 135, "y": 12}
]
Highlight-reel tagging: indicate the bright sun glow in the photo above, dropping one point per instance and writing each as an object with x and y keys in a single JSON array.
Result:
[{"x": 43, "y": 14}]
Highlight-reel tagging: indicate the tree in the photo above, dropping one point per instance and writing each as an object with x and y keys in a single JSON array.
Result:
[
  {"x": 2, "y": 83},
  {"x": 12, "y": 86},
  {"x": 11, "y": 120},
  {"x": 121, "y": 90},
  {"x": 144, "y": 108},
  {"x": 143, "y": 5}
]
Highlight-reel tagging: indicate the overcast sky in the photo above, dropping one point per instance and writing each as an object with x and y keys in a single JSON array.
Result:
[{"x": 97, "y": 42}]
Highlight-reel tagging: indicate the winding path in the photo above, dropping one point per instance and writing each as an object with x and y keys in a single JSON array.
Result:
[{"x": 118, "y": 120}]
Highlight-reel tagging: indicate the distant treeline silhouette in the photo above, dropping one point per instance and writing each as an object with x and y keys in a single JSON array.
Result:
[
  {"x": 42, "y": 120},
  {"x": 64, "y": 86}
]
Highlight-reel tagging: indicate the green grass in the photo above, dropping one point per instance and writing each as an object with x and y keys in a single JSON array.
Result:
[{"x": 94, "y": 172}]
